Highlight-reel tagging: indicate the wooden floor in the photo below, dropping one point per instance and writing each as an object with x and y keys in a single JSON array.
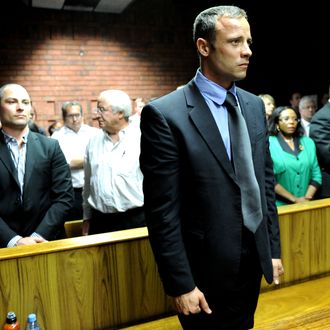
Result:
[{"x": 304, "y": 306}]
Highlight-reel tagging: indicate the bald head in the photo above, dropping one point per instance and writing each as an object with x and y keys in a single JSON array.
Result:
[
  {"x": 15, "y": 107},
  {"x": 15, "y": 87}
]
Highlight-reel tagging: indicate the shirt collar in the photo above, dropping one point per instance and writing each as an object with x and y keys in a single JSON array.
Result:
[
  {"x": 305, "y": 122},
  {"x": 211, "y": 90},
  {"x": 121, "y": 133},
  {"x": 11, "y": 139}
]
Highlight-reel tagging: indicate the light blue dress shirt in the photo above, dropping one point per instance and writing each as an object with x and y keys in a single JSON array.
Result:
[
  {"x": 215, "y": 96},
  {"x": 18, "y": 155}
]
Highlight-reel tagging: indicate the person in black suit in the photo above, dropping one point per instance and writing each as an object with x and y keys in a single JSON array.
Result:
[
  {"x": 35, "y": 180},
  {"x": 320, "y": 133},
  {"x": 208, "y": 260}
]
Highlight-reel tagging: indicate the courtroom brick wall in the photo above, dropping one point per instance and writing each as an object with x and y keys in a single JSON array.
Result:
[{"x": 61, "y": 55}]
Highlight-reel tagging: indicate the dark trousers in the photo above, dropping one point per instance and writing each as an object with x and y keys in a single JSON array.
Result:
[
  {"x": 106, "y": 222},
  {"x": 232, "y": 309},
  {"x": 76, "y": 212},
  {"x": 324, "y": 190}
]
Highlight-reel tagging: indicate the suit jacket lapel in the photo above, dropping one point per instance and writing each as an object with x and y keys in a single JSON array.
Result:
[
  {"x": 201, "y": 116},
  {"x": 30, "y": 157},
  {"x": 5, "y": 158},
  {"x": 250, "y": 119}
]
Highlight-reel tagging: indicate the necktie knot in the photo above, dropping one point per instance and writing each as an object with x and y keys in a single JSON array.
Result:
[{"x": 230, "y": 101}]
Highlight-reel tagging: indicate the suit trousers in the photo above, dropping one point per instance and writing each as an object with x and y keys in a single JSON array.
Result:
[
  {"x": 106, "y": 222},
  {"x": 232, "y": 309},
  {"x": 76, "y": 211},
  {"x": 324, "y": 190}
]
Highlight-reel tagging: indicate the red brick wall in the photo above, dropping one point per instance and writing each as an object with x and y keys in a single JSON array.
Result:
[{"x": 60, "y": 56}]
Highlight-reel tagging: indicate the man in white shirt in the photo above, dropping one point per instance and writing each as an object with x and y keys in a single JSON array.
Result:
[
  {"x": 73, "y": 138},
  {"x": 113, "y": 197},
  {"x": 307, "y": 108}
]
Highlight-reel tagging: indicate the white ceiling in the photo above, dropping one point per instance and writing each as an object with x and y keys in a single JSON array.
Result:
[{"x": 104, "y": 6}]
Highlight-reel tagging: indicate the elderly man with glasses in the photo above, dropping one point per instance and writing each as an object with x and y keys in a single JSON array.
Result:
[{"x": 113, "y": 197}]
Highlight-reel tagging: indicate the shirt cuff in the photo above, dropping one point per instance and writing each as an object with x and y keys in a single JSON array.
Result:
[
  {"x": 34, "y": 234},
  {"x": 14, "y": 241}
]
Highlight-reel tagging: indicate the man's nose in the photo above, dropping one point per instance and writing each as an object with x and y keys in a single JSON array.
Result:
[
  {"x": 21, "y": 106},
  {"x": 247, "y": 50}
]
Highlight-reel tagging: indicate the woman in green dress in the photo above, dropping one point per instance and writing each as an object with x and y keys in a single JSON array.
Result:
[{"x": 296, "y": 169}]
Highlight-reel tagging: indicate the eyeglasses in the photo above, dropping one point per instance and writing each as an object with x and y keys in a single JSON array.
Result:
[
  {"x": 286, "y": 119},
  {"x": 73, "y": 115},
  {"x": 101, "y": 110},
  {"x": 309, "y": 107}
]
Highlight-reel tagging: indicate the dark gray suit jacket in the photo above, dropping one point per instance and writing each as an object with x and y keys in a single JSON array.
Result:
[
  {"x": 320, "y": 133},
  {"x": 47, "y": 196},
  {"x": 192, "y": 199}
]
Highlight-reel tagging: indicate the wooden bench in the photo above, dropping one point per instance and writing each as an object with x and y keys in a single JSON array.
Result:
[
  {"x": 90, "y": 282},
  {"x": 110, "y": 280},
  {"x": 305, "y": 241},
  {"x": 73, "y": 228}
]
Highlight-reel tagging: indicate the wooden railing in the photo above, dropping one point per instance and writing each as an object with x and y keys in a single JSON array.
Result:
[
  {"x": 83, "y": 283},
  {"x": 305, "y": 241},
  {"x": 109, "y": 280}
]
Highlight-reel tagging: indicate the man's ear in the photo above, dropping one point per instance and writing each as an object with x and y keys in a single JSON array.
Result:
[{"x": 203, "y": 47}]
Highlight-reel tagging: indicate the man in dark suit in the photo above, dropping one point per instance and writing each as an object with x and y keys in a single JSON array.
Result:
[
  {"x": 208, "y": 260},
  {"x": 320, "y": 133},
  {"x": 35, "y": 181}
]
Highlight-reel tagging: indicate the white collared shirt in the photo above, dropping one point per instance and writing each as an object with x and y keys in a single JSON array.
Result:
[
  {"x": 73, "y": 145},
  {"x": 306, "y": 125},
  {"x": 113, "y": 179}
]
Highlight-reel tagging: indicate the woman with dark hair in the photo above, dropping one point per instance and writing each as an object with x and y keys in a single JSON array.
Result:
[{"x": 296, "y": 169}]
